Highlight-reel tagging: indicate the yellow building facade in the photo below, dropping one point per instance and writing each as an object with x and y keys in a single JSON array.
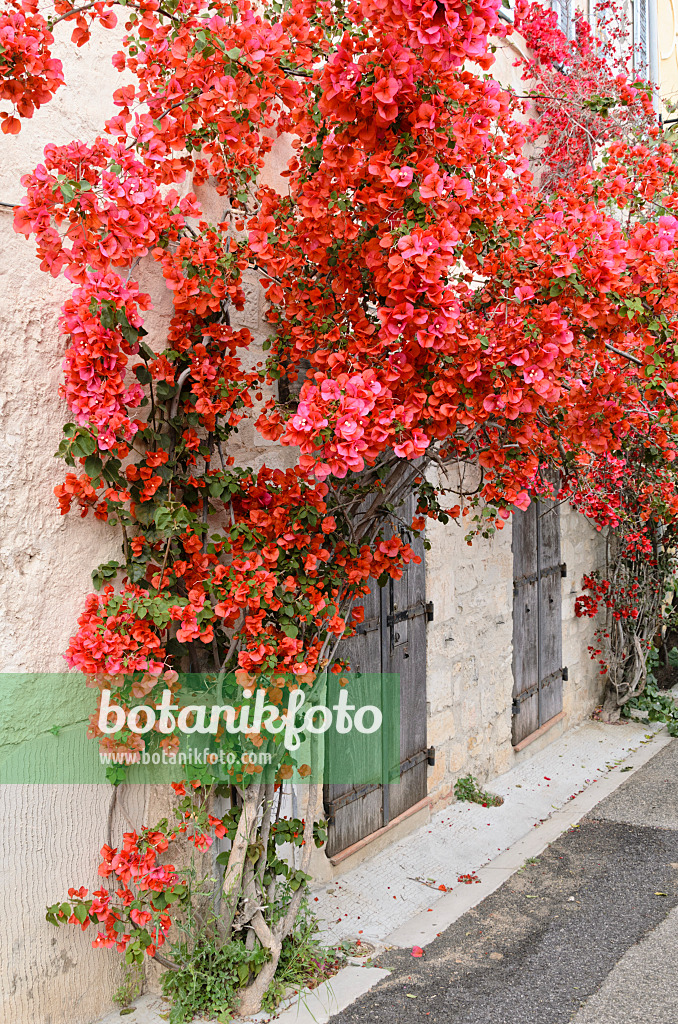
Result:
[{"x": 667, "y": 44}]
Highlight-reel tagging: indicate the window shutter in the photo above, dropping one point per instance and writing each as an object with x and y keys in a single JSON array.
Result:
[{"x": 291, "y": 381}]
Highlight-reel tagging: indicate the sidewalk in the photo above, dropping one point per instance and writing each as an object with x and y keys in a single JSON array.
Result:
[
  {"x": 393, "y": 899},
  {"x": 375, "y": 901},
  {"x": 586, "y": 933}
]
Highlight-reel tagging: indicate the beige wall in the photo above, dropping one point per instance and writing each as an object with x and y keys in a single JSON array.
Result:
[
  {"x": 51, "y": 835},
  {"x": 667, "y": 24},
  {"x": 470, "y": 649}
]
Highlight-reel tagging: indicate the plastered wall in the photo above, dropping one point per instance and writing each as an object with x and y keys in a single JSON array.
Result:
[
  {"x": 470, "y": 648},
  {"x": 50, "y": 835},
  {"x": 667, "y": 17}
]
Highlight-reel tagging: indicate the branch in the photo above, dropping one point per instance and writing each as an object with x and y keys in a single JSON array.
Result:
[
  {"x": 87, "y": 7},
  {"x": 169, "y": 964},
  {"x": 174, "y": 408},
  {"x": 70, "y": 14},
  {"x": 625, "y": 355}
]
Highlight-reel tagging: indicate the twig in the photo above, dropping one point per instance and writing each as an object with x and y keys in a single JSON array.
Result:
[
  {"x": 169, "y": 964},
  {"x": 174, "y": 408},
  {"x": 626, "y": 355},
  {"x": 125, "y": 543},
  {"x": 70, "y": 14}
]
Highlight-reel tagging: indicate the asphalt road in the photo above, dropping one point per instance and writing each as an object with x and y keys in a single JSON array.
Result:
[{"x": 587, "y": 934}]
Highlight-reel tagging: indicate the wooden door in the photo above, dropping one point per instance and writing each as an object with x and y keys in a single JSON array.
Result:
[
  {"x": 391, "y": 642},
  {"x": 537, "y": 618}
]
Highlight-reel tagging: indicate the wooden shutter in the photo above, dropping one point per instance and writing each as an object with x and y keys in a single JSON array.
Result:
[
  {"x": 391, "y": 641},
  {"x": 356, "y": 809},
  {"x": 404, "y": 654},
  {"x": 537, "y": 618}
]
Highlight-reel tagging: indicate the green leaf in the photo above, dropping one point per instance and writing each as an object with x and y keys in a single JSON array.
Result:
[
  {"x": 116, "y": 773},
  {"x": 93, "y": 466},
  {"x": 164, "y": 390},
  {"x": 81, "y": 913},
  {"x": 129, "y": 333},
  {"x": 136, "y": 571},
  {"x": 83, "y": 445}
]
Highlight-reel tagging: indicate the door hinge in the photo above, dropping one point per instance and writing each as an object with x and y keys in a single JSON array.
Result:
[
  {"x": 414, "y": 612},
  {"x": 431, "y": 756},
  {"x": 566, "y": 674},
  {"x": 563, "y": 570},
  {"x": 515, "y": 707}
]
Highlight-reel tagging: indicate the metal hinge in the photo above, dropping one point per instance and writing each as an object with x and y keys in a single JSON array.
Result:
[
  {"x": 563, "y": 570},
  {"x": 369, "y": 625},
  {"x": 348, "y": 798},
  {"x": 515, "y": 707},
  {"x": 431, "y": 757},
  {"x": 411, "y": 613},
  {"x": 566, "y": 674}
]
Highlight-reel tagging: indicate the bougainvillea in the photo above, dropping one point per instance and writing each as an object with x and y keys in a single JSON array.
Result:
[
  {"x": 587, "y": 91},
  {"x": 431, "y": 303},
  {"x": 592, "y": 103}
]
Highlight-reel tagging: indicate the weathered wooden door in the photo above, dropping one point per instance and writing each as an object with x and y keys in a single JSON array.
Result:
[
  {"x": 537, "y": 618},
  {"x": 390, "y": 642}
]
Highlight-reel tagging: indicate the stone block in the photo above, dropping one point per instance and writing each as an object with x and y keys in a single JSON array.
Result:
[
  {"x": 456, "y": 757},
  {"x": 442, "y": 727}
]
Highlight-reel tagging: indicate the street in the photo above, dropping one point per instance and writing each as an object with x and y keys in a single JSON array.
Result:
[{"x": 587, "y": 933}]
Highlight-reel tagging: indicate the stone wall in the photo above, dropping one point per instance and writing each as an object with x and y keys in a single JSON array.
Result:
[
  {"x": 51, "y": 835},
  {"x": 470, "y": 648},
  {"x": 469, "y": 642},
  {"x": 582, "y": 549}
]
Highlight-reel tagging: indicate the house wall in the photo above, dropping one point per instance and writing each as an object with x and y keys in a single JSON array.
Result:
[
  {"x": 667, "y": 19},
  {"x": 470, "y": 648},
  {"x": 51, "y": 835}
]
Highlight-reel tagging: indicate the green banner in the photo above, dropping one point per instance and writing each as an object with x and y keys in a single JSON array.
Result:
[{"x": 342, "y": 729}]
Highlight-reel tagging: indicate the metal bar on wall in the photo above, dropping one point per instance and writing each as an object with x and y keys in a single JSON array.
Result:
[
  {"x": 386, "y": 646},
  {"x": 539, "y": 615}
]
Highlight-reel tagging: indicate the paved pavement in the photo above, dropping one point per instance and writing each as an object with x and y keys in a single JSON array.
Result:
[
  {"x": 575, "y": 931},
  {"x": 586, "y": 934},
  {"x": 376, "y": 899}
]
